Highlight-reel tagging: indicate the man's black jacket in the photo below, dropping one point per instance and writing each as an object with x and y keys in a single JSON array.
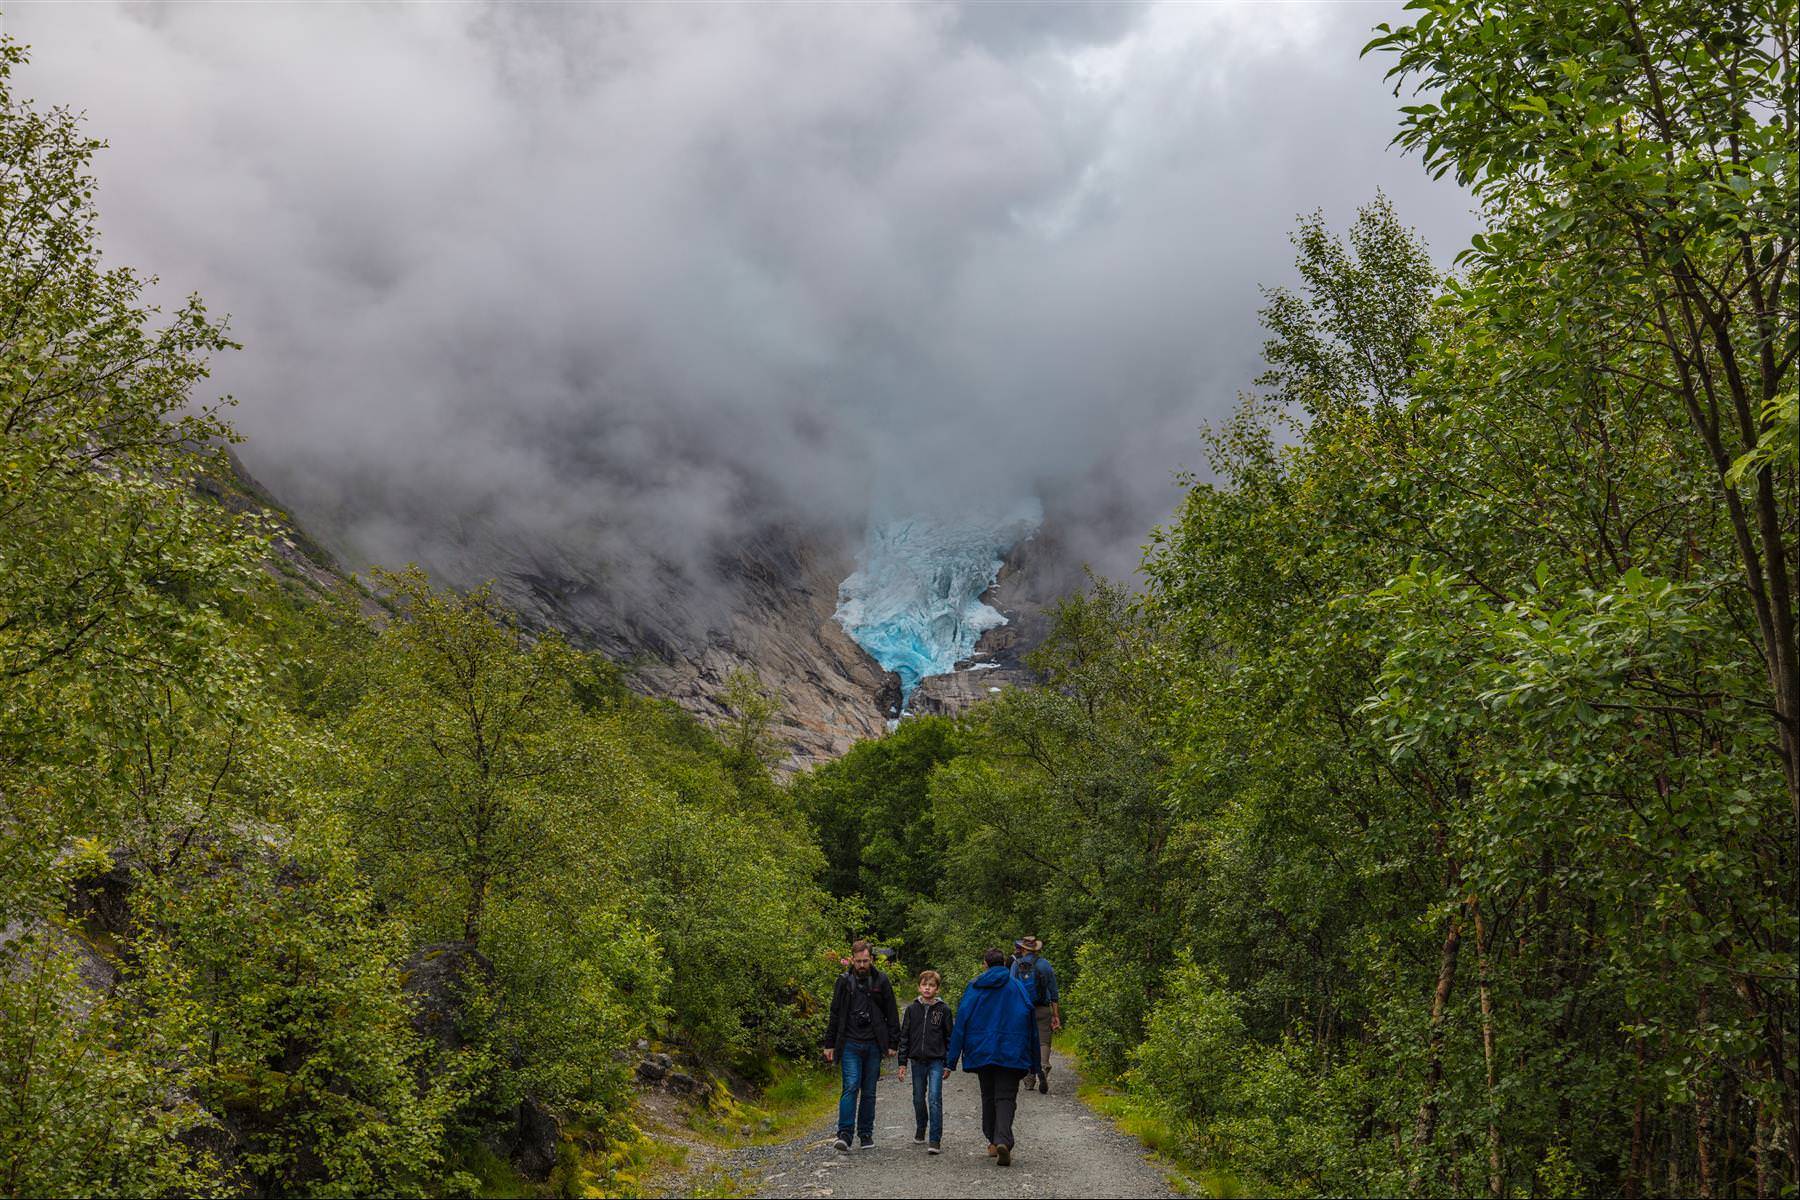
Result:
[{"x": 884, "y": 1012}]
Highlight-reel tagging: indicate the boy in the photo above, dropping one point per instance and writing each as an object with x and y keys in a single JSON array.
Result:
[{"x": 924, "y": 1041}]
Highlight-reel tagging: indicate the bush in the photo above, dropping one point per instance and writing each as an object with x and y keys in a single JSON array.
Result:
[
  {"x": 1190, "y": 1061},
  {"x": 575, "y": 988},
  {"x": 1109, "y": 1000}
]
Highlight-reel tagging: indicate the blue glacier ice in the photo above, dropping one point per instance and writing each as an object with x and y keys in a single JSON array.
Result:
[{"x": 914, "y": 601}]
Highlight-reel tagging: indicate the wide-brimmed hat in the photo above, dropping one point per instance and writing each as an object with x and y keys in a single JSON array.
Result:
[{"x": 1031, "y": 943}]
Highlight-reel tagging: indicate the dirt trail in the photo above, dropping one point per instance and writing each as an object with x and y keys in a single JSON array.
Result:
[{"x": 1063, "y": 1150}]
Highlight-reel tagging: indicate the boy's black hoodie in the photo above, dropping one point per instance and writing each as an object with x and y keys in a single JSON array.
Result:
[{"x": 925, "y": 1030}]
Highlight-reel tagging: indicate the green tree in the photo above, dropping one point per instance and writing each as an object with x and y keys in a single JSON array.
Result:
[
  {"x": 1636, "y": 164},
  {"x": 470, "y": 751},
  {"x": 750, "y": 710},
  {"x": 871, "y": 809}
]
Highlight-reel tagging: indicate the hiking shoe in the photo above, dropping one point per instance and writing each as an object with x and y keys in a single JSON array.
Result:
[
  {"x": 992, "y": 1149},
  {"x": 842, "y": 1146},
  {"x": 934, "y": 1148},
  {"x": 1005, "y": 1156}
]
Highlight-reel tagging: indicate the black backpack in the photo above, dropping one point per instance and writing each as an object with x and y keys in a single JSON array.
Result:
[{"x": 1025, "y": 971}]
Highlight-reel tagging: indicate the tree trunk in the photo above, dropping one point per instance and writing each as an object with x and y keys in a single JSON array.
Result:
[
  {"x": 1703, "y": 1106},
  {"x": 1496, "y": 1163},
  {"x": 1760, "y": 1150},
  {"x": 1637, "y": 1173},
  {"x": 1425, "y": 1127}
]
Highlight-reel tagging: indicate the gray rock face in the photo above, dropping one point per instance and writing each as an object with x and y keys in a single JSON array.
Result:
[
  {"x": 948, "y": 695},
  {"x": 888, "y": 699},
  {"x": 765, "y": 603},
  {"x": 102, "y": 902},
  {"x": 770, "y": 608}
]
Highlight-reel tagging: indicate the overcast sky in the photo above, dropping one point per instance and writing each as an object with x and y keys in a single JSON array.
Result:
[{"x": 619, "y": 279}]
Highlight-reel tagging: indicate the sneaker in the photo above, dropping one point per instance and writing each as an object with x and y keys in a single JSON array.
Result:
[
  {"x": 919, "y": 1135},
  {"x": 992, "y": 1149},
  {"x": 1043, "y": 1083},
  {"x": 868, "y": 1143},
  {"x": 842, "y": 1146},
  {"x": 934, "y": 1148},
  {"x": 1005, "y": 1156}
]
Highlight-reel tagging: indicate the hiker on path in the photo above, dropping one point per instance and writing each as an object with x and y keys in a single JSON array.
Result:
[
  {"x": 864, "y": 1026},
  {"x": 1039, "y": 977},
  {"x": 924, "y": 1042},
  {"x": 996, "y": 1038}
]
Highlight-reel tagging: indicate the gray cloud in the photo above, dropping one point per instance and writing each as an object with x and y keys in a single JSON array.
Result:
[{"x": 616, "y": 283}]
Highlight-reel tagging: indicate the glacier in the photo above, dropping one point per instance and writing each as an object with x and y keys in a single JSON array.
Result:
[{"x": 914, "y": 601}]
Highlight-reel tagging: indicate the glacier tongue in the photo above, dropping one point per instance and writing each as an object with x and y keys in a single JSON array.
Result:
[{"x": 914, "y": 601}]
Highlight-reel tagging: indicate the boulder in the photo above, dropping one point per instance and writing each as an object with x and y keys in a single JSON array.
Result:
[
  {"x": 889, "y": 696},
  {"x": 532, "y": 1141},
  {"x": 102, "y": 902},
  {"x": 437, "y": 977}
]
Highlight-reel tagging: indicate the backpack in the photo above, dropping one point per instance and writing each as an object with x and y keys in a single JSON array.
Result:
[{"x": 1025, "y": 971}]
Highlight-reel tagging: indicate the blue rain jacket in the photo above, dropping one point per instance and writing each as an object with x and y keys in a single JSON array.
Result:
[{"x": 994, "y": 1025}]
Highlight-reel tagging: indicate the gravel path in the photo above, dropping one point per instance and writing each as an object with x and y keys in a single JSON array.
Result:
[{"x": 1063, "y": 1150}]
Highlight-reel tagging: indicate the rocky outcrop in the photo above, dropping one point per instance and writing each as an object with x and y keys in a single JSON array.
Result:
[
  {"x": 769, "y": 606},
  {"x": 948, "y": 695},
  {"x": 296, "y": 559},
  {"x": 891, "y": 696},
  {"x": 531, "y": 1140},
  {"x": 438, "y": 978},
  {"x": 765, "y": 604},
  {"x": 1029, "y": 582}
]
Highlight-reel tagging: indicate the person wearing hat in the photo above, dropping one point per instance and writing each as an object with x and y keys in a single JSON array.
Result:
[{"x": 1032, "y": 969}]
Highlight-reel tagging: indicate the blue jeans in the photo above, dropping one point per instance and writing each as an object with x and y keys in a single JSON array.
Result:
[
  {"x": 928, "y": 1095},
  {"x": 859, "y": 1066}
]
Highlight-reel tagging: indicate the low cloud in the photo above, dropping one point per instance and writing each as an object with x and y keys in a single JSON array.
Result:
[{"x": 606, "y": 287}]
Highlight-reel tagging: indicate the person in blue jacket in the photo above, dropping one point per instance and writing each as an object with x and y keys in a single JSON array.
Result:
[{"x": 996, "y": 1038}]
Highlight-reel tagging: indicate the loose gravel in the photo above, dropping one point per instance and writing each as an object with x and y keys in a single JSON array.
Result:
[{"x": 1063, "y": 1149}]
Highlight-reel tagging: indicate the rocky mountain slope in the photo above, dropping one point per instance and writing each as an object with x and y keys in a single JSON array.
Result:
[{"x": 767, "y": 606}]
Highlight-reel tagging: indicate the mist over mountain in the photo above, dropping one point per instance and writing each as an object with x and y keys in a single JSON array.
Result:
[
  {"x": 621, "y": 283},
  {"x": 630, "y": 305}
]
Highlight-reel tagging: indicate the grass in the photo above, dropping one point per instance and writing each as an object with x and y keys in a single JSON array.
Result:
[
  {"x": 486, "y": 1175},
  {"x": 799, "y": 1096}
]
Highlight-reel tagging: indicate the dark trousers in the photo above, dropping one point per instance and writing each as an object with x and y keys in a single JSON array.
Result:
[{"x": 999, "y": 1098}]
